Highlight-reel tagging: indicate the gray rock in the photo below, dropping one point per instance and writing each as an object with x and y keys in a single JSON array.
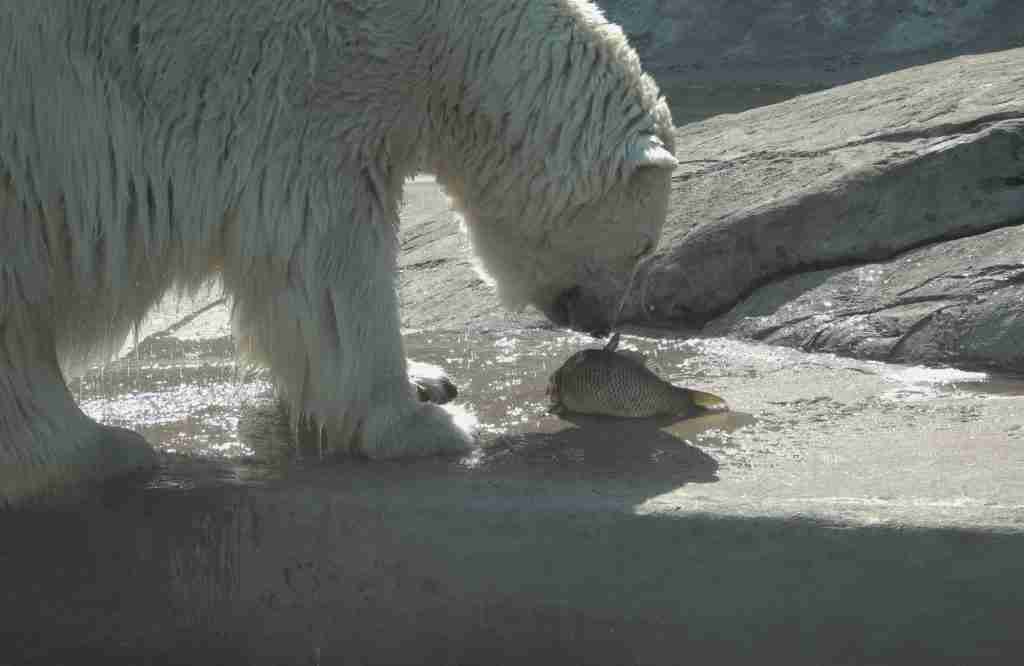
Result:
[
  {"x": 779, "y": 213},
  {"x": 855, "y": 174},
  {"x": 959, "y": 302},
  {"x": 831, "y": 36},
  {"x": 706, "y": 53}
]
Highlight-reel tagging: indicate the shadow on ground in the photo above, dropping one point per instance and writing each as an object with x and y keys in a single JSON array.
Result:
[
  {"x": 655, "y": 451},
  {"x": 588, "y": 540},
  {"x": 336, "y": 566}
]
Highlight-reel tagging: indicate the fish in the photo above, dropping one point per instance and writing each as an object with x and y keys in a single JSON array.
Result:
[{"x": 619, "y": 383}]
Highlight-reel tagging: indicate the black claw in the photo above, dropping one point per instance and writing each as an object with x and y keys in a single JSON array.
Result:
[{"x": 447, "y": 393}]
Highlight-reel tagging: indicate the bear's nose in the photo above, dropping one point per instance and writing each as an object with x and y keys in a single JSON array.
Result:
[
  {"x": 575, "y": 309},
  {"x": 560, "y": 312}
]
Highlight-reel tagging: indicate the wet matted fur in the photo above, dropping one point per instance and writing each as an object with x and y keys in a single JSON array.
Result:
[{"x": 148, "y": 145}]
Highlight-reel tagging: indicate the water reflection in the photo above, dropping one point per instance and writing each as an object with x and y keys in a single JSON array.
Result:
[
  {"x": 657, "y": 447},
  {"x": 921, "y": 383},
  {"x": 189, "y": 398},
  {"x": 503, "y": 379}
]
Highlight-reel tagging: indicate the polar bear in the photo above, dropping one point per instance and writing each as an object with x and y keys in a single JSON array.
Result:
[{"x": 149, "y": 145}]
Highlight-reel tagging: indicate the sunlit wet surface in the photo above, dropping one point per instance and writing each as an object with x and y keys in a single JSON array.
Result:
[
  {"x": 192, "y": 398},
  {"x": 189, "y": 397},
  {"x": 243, "y": 528},
  {"x": 806, "y": 432}
]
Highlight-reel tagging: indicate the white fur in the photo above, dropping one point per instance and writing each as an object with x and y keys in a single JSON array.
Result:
[{"x": 147, "y": 145}]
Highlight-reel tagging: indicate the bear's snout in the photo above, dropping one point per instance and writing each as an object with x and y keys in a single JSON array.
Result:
[{"x": 580, "y": 310}]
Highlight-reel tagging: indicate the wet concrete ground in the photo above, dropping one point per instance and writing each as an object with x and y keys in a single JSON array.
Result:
[
  {"x": 807, "y": 434},
  {"x": 843, "y": 512}
]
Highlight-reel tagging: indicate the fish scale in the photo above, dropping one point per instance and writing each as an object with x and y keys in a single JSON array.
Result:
[{"x": 605, "y": 381}]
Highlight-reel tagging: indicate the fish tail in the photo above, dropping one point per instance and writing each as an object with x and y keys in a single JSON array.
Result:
[{"x": 708, "y": 401}]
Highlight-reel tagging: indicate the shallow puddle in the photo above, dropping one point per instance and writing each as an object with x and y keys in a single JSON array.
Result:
[
  {"x": 192, "y": 398},
  {"x": 189, "y": 398}
]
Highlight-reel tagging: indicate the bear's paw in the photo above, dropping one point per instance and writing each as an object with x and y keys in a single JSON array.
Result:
[{"x": 425, "y": 431}]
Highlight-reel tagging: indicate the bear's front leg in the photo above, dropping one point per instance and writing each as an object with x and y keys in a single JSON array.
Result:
[
  {"x": 46, "y": 441},
  {"x": 326, "y": 323}
]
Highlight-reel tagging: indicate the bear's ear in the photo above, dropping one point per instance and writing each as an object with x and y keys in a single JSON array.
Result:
[{"x": 647, "y": 150}]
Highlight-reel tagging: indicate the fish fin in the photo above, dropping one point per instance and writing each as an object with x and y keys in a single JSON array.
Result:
[
  {"x": 708, "y": 401},
  {"x": 633, "y": 355}
]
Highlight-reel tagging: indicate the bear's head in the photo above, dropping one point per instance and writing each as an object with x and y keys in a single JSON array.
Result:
[
  {"x": 578, "y": 268},
  {"x": 573, "y": 257},
  {"x": 556, "y": 148}
]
